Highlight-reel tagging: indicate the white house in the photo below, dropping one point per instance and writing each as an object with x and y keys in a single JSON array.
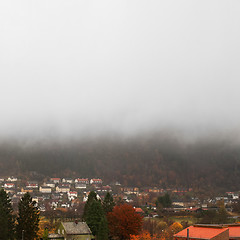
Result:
[
  {"x": 12, "y": 179},
  {"x": 96, "y": 181},
  {"x": 9, "y": 185},
  {"x": 82, "y": 180}
]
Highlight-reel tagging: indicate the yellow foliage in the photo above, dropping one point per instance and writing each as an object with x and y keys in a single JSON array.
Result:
[
  {"x": 43, "y": 224},
  {"x": 176, "y": 227}
]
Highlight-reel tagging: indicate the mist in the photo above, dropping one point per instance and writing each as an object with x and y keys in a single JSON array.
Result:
[{"x": 91, "y": 68}]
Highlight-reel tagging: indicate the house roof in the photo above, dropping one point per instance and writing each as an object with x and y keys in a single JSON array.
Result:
[
  {"x": 139, "y": 210},
  {"x": 234, "y": 231},
  {"x": 55, "y": 236},
  {"x": 76, "y": 228},
  {"x": 201, "y": 232}
]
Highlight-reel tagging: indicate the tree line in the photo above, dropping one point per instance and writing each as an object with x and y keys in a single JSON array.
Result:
[{"x": 205, "y": 166}]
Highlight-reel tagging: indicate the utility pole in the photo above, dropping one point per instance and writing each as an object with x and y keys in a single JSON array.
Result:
[{"x": 22, "y": 234}]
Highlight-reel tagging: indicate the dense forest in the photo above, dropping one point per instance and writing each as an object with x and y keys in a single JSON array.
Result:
[{"x": 135, "y": 161}]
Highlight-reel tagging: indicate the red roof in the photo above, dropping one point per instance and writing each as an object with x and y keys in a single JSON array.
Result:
[
  {"x": 139, "y": 210},
  {"x": 200, "y": 232},
  {"x": 234, "y": 231}
]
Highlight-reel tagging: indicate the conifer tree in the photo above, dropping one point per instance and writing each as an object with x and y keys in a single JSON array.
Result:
[
  {"x": 94, "y": 216},
  {"x": 28, "y": 219},
  {"x": 165, "y": 201},
  {"x": 91, "y": 197},
  {"x": 6, "y": 217},
  {"x": 103, "y": 229},
  {"x": 108, "y": 203}
]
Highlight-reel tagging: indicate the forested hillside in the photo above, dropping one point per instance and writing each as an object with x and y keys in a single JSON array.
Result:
[{"x": 139, "y": 161}]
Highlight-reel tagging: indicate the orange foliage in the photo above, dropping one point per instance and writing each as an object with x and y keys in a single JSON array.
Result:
[
  {"x": 44, "y": 223},
  {"x": 166, "y": 234},
  {"x": 124, "y": 221},
  {"x": 145, "y": 236}
]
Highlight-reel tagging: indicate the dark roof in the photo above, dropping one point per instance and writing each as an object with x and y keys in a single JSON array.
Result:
[{"x": 76, "y": 228}]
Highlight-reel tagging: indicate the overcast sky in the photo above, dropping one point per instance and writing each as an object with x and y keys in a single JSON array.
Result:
[{"x": 70, "y": 66}]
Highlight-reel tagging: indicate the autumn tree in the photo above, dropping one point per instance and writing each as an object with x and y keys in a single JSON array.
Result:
[
  {"x": 6, "y": 217},
  {"x": 145, "y": 235},
  {"x": 171, "y": 230},
  {"x": 124, "y": 221},
  {"x": 222, "y": 216},
  {"x": 142, "y": 236},
  {"x": 28, "y": 219}
]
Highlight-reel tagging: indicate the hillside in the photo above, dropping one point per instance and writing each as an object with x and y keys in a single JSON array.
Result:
[{"x": 138, "y": 161}]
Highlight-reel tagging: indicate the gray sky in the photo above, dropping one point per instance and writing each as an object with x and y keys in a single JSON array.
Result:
[{"x": 70, "y": 66}]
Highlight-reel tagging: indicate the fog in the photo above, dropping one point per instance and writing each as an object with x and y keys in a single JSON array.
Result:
[{"x": 71, "y": 68}]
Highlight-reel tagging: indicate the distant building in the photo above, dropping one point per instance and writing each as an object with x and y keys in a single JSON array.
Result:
[
  {"x": 139, "y": 211},
  {"x": 45, "y": 189},
  {"x": 130, "y": 190},
  {"x": 9, "y": 185},
  {"x": 82, "y": 180},
  {"x": 12, "y": 179},
  {"x": 32, "y": 184},
  {"x": 55, "y": 180},
  {"x": 25, "y": 190},
  {"x": 67, "y": 180},
  {"x": 80, "y": 186},
  {"x": 72, "y": 195},
  {"x": 49, "y": 184},
  {"x": 63, "y": 188},
  {"x": 96, "y": 181}
]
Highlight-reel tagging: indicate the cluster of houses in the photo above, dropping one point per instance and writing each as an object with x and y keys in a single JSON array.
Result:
[{"x": 56, "y": 192}]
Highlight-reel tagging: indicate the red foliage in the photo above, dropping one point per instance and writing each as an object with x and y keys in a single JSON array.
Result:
[{"x": 124, "y": 221}]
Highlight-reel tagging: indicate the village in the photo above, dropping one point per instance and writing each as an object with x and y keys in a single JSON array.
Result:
[
  {"x": 66, "y": 193},
  {"x": 168, "y": 213}
]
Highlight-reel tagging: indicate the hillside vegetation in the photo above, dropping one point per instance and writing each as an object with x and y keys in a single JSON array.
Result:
[{"x": 139, "y": 161}]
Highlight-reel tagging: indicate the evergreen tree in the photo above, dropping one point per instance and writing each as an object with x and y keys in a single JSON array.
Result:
[
  {"x": 103, "y": 229},
  {"x": 108, "y": 203},
  {"x": 28, "y": 219},
  {"x": 92, "y": 196},
  {"x": 164, "y": 201},
  {"x": 94, "y": 216},
  {"x": 6, "y": 217}
]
